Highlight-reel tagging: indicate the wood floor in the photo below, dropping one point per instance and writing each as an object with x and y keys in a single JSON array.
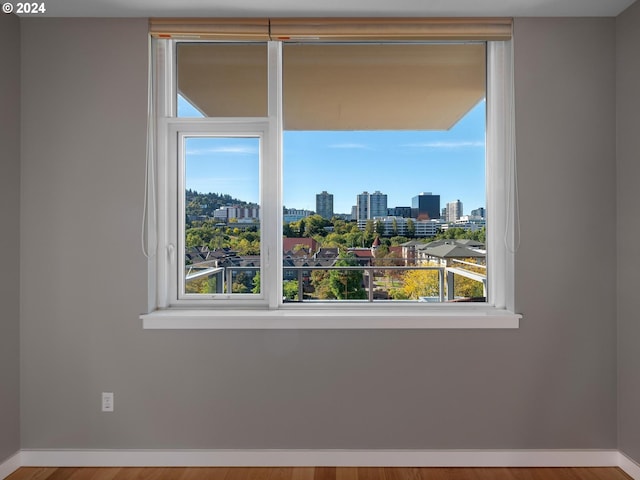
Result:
[{"x": 318, "y": 473}]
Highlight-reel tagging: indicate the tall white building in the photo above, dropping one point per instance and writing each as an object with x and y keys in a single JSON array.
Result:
[
  {"x": 371, "y": 205},
  {"x": 362, "y": 206},
  {"x": 377, "y": 204},
  {"x": 454, "y": 211}
]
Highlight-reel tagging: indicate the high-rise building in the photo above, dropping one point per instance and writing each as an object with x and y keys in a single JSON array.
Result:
[
  {"x": 425, "y": 206},
  {"x": 454, "y": 211},
  {"x": 371, "y": 205},
  {"x": 324, "y": 205},
  {"x": 362, "y": 206},
  {"x": 377, "y": 204},
  {"x": 479, "y": 212}
]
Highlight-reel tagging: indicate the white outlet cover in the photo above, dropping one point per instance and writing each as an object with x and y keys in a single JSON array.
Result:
[{"x": 107, "y": 401}]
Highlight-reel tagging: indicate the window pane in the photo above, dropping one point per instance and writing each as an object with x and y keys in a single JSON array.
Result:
[
  {"x": 222, "y": 79},
  {"x": 221, "y": 215},
  {"x": 384, "y": 173}
]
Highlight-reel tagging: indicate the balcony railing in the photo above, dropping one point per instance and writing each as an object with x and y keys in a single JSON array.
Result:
[{"x": 373, "y": 279}]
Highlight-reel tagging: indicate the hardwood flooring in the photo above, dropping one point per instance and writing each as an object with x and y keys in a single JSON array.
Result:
[{"x": 316, "y": 473}]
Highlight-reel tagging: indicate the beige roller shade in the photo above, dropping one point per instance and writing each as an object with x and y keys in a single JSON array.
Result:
[
  {"x": 342, "y": 29},
  {"x": 339, "y": 86},
  {"x": 210, "y": 28},
  {"x": 333, "y": 29}
]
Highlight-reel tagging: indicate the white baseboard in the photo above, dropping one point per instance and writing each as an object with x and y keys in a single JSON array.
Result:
[
  {"x": 339, "y": 458},
  {"x": 319, "y": 458},
  {"x": 10, "y": 465},
  {"x": 630, "y": 467}
]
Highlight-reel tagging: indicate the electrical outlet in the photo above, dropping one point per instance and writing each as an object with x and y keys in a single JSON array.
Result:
[{"x": 107, "y": 401}]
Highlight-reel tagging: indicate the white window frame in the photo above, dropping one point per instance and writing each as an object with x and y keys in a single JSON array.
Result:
[
  {"x": 267, "y": 310},
  {"x": 212, "y": 128}
]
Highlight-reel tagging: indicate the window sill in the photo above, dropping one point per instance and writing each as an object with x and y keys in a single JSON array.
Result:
[{"x": 332, "y": 318}]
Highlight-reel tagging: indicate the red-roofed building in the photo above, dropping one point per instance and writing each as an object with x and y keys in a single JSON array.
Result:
[{"x": 288, "y": 244}]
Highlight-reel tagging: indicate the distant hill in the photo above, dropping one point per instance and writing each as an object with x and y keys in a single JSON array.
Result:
[{"x": 206, "y": 203}]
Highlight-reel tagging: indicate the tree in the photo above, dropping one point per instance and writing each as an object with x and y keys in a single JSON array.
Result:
[
  {"x": 466, "y": 287},
  {"x": 369, "y": 232},
  {"x": 335, "y": 240},
  {"x": 315, "y": 226},
  {"x": 193, "y": 209},
  {"x": 201, "y": 285},
  {"x": 369, "y": 227},
  {"x": 411, "y": 228},
  {"x": 321, "y": 287},
  {"x": 199, "y": 236},
  {"x": 194, "y": 239},
  {"x": 421, "y": 283},
  {"x": 381, "y": 252},
  {"x": 380, "y": 227},
  {"x": 481, "y": 235},
  {"x": 218, "y": 240},
  {"x": 340, "y": 226},
  {"x": 354, "y": 238},
  {"x": 394, "y": 227},
  {"x": 395, "y": 241},
  {"x": 290, "y": 289},
  {"x": 256, "y": 283},
  {"x": 347, "y": 284},
  {"x": 242, "y": 283}
]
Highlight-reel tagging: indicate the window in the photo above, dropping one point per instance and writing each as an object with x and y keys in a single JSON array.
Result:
[
  {"x": 378, "y": 125},
  {"x": 227, "y": 112}
]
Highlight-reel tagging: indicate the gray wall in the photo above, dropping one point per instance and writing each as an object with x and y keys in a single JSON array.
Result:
[
  {"x": 9, "y": 238},
  {"x": 628, "y": 143},
  {"x": 550, "y": 384}
]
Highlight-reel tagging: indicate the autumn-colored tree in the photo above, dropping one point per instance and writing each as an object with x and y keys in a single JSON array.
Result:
[
  {"x": 467, "y": 287},
  {"x": 421, "y": 283},
  {"x": 201, "y": 285}
]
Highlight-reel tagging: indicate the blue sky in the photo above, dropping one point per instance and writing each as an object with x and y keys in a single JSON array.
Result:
[{"x": 399, "y": 163}]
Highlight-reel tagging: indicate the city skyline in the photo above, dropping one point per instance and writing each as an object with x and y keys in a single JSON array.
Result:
[{"x": 400, "y": 164}]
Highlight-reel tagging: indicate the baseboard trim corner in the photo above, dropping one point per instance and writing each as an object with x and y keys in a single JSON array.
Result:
[
  {"x": 10, "y": 465},
  {"x": 629, "y": 467}
]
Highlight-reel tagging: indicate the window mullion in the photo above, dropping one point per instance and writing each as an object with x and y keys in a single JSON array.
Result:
[{"x": 271, "y": 176}]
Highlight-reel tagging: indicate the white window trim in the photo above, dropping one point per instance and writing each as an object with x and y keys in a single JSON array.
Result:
[
  {"x": 268, "y": 311},
  {"x": 179, "y": 130}
]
